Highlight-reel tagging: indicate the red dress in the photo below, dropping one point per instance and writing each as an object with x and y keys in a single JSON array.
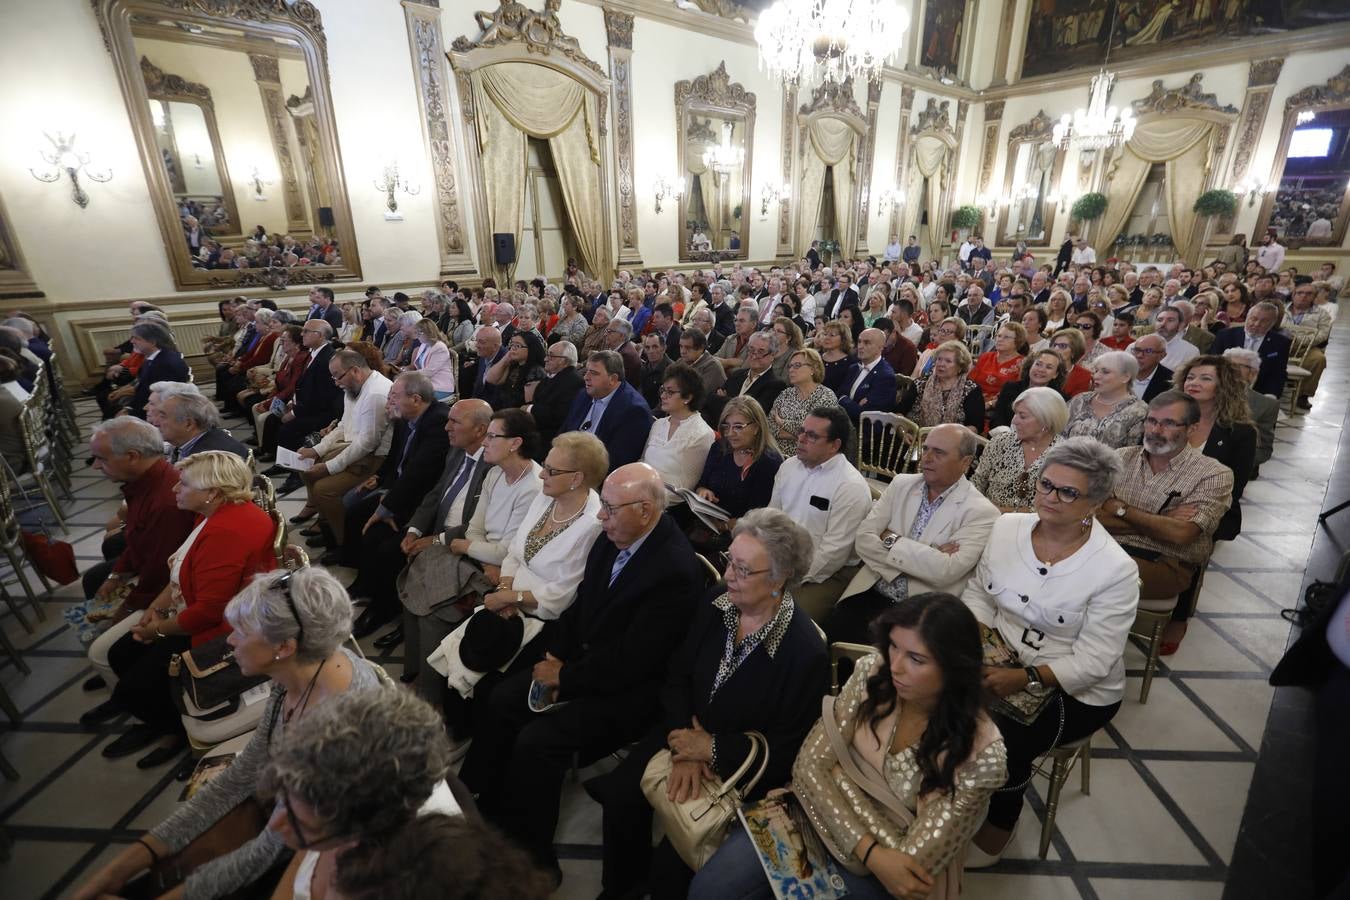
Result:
[
  {"x": 1079, "y": 380},
  {"x": 991, "y": 375}
]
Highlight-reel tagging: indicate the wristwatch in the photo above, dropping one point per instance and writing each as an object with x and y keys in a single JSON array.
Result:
[
  {"x": 520, "y": 598},
  {"x": 889, "y": 542},
  {"x": 1033, "y": 678},
  {"x": 439, "y": 539},
  {"x": 1120, "y": 510}
]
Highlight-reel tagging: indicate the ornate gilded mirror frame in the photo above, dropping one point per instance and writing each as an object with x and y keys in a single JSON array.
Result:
[
  {"x": 1038, "y": 131},
  {"x": 161, "y": 85},
  {"x": 1334, "y": 96},
  {"x": 714, "y": 97},
  {"x": 294, "y": 22},
  {"x": 15, "y": 282}
]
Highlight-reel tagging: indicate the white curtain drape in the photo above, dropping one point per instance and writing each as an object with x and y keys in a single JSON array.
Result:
[
  {"x": 1182, "y": 144},
  {"x": 702, "y": 177},
  {"x": 811, "y": 194},
  {"x": 930, "y": 164},
  {"x": 515, "y": 101},
  {"x": 832, "y": 143}
]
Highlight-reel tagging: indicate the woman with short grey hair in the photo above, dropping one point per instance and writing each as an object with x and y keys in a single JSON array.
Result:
[
  {"x": 752, "y": 661},
  {"x": 1110, "y": 412},
  {"x": 1012, "y": 463},
  {"x": 290, "y": 627},
  {"x": 1054, "y": 584}
]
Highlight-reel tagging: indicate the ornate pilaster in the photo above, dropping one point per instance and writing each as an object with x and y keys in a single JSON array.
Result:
[
  {"x": 901, "y": 156},
  {"x": 619, "y": 39},
  {"x": 1261, "y": 78},
  {"x": 788, "y": 174},
  {"x": 267, "y": 72},
  {"x": 993, "y": 118},
  {"x": 866, "y": 153},
  {"x": 423, "y": 18}
]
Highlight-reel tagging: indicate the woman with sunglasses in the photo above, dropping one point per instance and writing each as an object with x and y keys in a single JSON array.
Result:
[
  {"x": 1058, "y": 589},
  {"x": 289, "y": 627},
  {"x": 737, "y": 475}
]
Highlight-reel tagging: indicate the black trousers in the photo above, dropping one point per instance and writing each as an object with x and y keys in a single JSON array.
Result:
[
  {"x": 1331, "y": 786},
  {"x": 852, "y": 617},
  {"x": 630, "y": 862},
  {"x": 377, "y": 557},
  {"x": 106, "y": 387},
  {"x": 98, "y": 573},
  {"x": 143, "y": 682},
  {"x": 292, "y": 434},
  {"x": 1027, "y": 742},
  {"x": 518, "y": 757}
]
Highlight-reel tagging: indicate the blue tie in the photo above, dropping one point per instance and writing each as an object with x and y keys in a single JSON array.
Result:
[
  {"x": 449, "y": 499},
  {"x": 619, "y": 562}
]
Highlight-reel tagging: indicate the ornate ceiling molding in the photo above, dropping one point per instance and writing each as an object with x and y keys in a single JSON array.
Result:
[
  {"x": 161, "y": 85},
  {"x": 1335, "y": 91},
  {"x": 294, "y": 12},
  {"x": 934, "y": 117},
  {"x": 836, "y": 97},
  {"x": 1040, "y": 128},
  {"x": 1187, "y": 97},
  {"x": 726, "y": 9},
  {"x": 539, "y": 32},
  {"x": 1264, "y": 72},
  {"x": 715, "y": 89}
]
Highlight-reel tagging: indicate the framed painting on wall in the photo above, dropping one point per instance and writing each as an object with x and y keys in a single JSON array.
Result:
[{"x": 943, "y": 26}]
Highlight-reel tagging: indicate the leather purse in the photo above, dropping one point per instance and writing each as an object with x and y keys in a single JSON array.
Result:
[
  {"x": 696, "y": 828},
  {"x": 209, "y": 680},
  {"x": 54, "y": 559}
]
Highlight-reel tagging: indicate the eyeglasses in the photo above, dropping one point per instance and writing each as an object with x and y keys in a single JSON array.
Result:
[
  {"x": 1145, "y": 351},
  {"x": 798, "y": 365},
  {"x": 291, "y": 818},
  {"x": 759, "y": 352},
  {"x": 741, "y": 570},
  {"x": 1163, "y": 423},
  {"x": 609, "y": 508},
  {"x": 549, "y": 471},
  {"x": 808, "y": 435},
  {"x": 492, "y": 437},
  {"x": 343, "y": 374},
  {"x": 669, "y": 392},
  {"x": 1065, "y": 493},
  {"x": 1084, "y": 326},
  {"x": 284, "y": 584},
  {"x": 733, "y": 427},
  {"x": 556, "y": 356}
]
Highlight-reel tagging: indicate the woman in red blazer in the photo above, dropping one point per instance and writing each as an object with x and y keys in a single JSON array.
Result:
[{"x": 231, "y": 543}]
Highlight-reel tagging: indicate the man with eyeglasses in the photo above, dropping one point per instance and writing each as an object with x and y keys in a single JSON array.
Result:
[
  {"x": 736, "y": 348},
  {"x": 1167, "y": 503},
  {"x": 317, "y": 399},
  {"x": 926, "y": 533},
  {"x": 554, "y": 395},
  {"x": 694, "y": 353},
  {"x": 1153, "y": 377},
  {"x": 755, "y": 379},
  {"x": 618, "y": 337},
  {"x": 611, "y": 409},
  {"x": 1305, "y": 320},
  {"x": 1261, "y": 333},
  {"x": 605, "y": 662},
  {"x": 824, "y": 493}
]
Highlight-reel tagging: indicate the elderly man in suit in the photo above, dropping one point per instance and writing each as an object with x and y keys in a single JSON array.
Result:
[
  {"x": 754, "y": 379},
  {"x": 694, "y": 353},
  {"x": 926, "y": 533},
  {"x": 611, "y": 409},
  {"x": 552, "y": 399},
  {"x": 317, "y": 400},
  {"x": 191, "y": 424},
  {"x": 163, "y": 362},
  {"x": 1153, "y": 377},
  {"x": 1265, "y": 408},
  {"x": 1260, "y": 334},
  {"x": 869, "y": 385},
  {"x": 603, "y": 662}
]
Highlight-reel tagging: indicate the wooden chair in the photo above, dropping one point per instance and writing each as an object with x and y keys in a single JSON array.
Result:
[
  {"x": 1061, "y": 761},
  {"x": 980, "y": 443},
  {"x": 902, "y": 383},
  {"x": 886, "y": 444},
  {"x": 1296, "y": 373},
  {"x": 1139, "y": 331},
  {"x": 38, "y": 450},
  {"x": 11, "y": 540},
  {"x": 58, "y": 443}
]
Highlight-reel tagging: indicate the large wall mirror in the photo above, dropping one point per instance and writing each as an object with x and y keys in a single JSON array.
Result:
[
  {"x": 233, "y": 117},
  {"x": 1311, "y": 203},
  {"x": 717, "y": 125},
  {"x": 1032, "y": 182}
]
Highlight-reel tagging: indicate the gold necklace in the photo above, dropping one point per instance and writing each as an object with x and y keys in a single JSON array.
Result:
[{"x": 1066, "y": 553}]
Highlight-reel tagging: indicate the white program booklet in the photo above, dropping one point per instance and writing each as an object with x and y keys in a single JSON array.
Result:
[{"x": 292, "y": 460}]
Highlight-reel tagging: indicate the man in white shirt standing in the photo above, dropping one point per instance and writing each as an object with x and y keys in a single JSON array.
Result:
[
  {"x": 822, "y": 491},
  {"x": 893, "y": 249},
  {"x": 1167, "y": 325},
  {"x": 1271, "y": 253},
  {"x": 354, "y": 448},
  {"x": 1083, "y": 254}
]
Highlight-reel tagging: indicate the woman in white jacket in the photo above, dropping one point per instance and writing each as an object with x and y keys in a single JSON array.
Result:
[{"x": 1062, "y": 594}]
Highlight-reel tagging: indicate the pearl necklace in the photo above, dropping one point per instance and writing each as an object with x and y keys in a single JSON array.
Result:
[{"x": 552, "y": 517}]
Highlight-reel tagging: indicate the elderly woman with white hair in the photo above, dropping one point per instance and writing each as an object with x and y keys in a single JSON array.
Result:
[
  {"x": 1011, "y": 465},
  {"x": 1110, "y": 412},
  {"x": 288, "y": 626},
  {"x": 1055, "y": 587},
  {"x": 1265, "y": 409}
]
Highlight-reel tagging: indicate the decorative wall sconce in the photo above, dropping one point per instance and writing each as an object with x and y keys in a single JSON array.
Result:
[
  {"x": 1254, "y": 187},
  {"x": 890, "y": 199},
  {"x": 770, "y": 194},
  {"x": 664, "y": 187},
  {"x": 257, "y": 180},
  {"x": 390, "y": 184},
  {"x": 63, "y": 160},
  {"x": 989, "y": 203}
]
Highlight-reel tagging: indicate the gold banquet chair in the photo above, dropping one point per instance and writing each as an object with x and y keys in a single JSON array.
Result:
[{"x": 886, "y": 444}]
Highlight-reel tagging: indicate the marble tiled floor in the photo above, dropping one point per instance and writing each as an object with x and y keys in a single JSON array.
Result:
[{"x": 1169, "y": 780}]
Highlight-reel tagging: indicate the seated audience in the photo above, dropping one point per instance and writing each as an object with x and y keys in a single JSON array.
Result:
[
  {"x": 13, "y": 450},
  {"x": 951, "y": 328},
  {"x": 869, "y": 385},
  {"x": 835, "y": 343},
  {"x": 316, "y": 401},
  {"x": 755, "y": 379},
  {"x": 694, "y": 353},
  {"x": 1169, "y": 324},
  {"x": 1305, "y": 319},
  {"x": 434, "y": 359},
  {"x": 751, "y": 661},
  {"x": 522, "y": 363},
  {"x": 260, "y": 380},
  {"x": 1167, "y": 524},
  {"x": 1069, "y": 343},
  {"x": 232, "y": 542},
  {"x": 1264, "y": 409},
  {"x": 611, "y": 409},
  {"x": 263, "y": 340},
  {"x": 902, "y": 832},
  {"x": 1110, "y": 412},
  {"x": 553, "y": 394},
  {"x": 1011, "y": 465},
  {"x": 1001, "y": 365},
  {"x": 162, "y": 362},
  {"x": 821, "y": 490},
  {"x": 738, "y": 474},
  {"x": 653, "y": 369},
  {"x": 488, "y": 350},
  {"x": 1260, "y": 332},
  {"x": 925, "y": 533},
  {"x": 1153, "y": 377},
  {"x": 1225, "y": 431},
  {"x": 190, "y": 424},
  {"x": 805, "y": 391},
  {"x": 678, "y": 442},
  {"x": 594, "y": 339},
  {"x": 1063, "y": 594},
  {"x": 619, "y": 337},
  {"x": 1041, "y": 368},
  {"x": 605, "y": 661},
  {"x": 1089, "y": 326},
  {"x": 945, "y": 394}
]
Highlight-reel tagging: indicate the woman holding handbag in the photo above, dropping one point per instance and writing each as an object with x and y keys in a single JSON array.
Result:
[
  {"x": 895, "y": 776},
  {"x": 751, "y": 662}
]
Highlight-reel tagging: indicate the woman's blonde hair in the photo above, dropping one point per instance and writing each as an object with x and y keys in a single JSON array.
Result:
[
  {"x": 749, "y": 408},
  {"x": 588, "y": 455},
  {"x": 428, "y": 329},
  {"x": 1077, "y": 345},
  {"x": 813, "y": 360},
  {"x": 959, "y": 350},
  {"x": 795, "y": 340},
  {"x": 1019, "y": 335},
  {"x": 218, "y": 470}
]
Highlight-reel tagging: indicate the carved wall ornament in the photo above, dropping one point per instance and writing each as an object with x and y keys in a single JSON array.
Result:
[
  {"x": 429, "y": 62},
  {"x": 296, "y": 12},
  {"x": 785, "y": 203},
  {"x": 933, "y": 117},
  {"x": 618, "y": 28},
  {"x": 1040, "y": 128},
  {"x": 162, "y": 85},
  {"x": 993, "y": 111},
  {"x": 540, "y": 32},
  {"x": 295, "y": 103},
  {"x": 265, "y": 68},
  {"x": 702, "y": 132},
  {"x": 1249, "y": 132},
  {"x": 716, "y": 89},
  {"x": 1189, "y": 96},
  {"x": 832, "y": 96},
  {"x": 907, "y": 97},
  {"x": 727, "y": 9},
  {"x": 1264, "y": 72},
  {"x": 1335, "y": 91},
  {"x": 867, "y": 149},
  {"x": 874, "y": 91},
  {"x": 987, "y": 157}
]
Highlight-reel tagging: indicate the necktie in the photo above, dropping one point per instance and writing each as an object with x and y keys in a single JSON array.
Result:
[
  {"x": 407, "y": 445},
  {"x": 619, "y": 562},
  {"x": 443, "y": 512}
]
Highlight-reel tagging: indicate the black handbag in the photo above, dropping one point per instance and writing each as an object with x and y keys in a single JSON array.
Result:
[{"x": 210, "y": 683}]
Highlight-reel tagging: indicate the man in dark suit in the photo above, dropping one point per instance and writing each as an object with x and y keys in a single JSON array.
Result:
[
  {"x": 191, "y": 424},
  {"x": 665, "y": 326},
  {"x": 317, "y": 399},
  {"x": 1040, "y": 289},
  {"x": 813, "y": 255},
  {"x": 324, "y": 308},
  {"x": 378, "y": 509},
  {"x": 604, "y": 663},
  {"x": 488, "y": 349},
  {"x": 844, "y": 294},
  {"x": 1259, "y": 334},
  {"x": 1153, "y": 377},
  {"x": 754, "y": 379},
  {"x": 554, "y": 395},
  {"x": 619, "y": 337},
  {"x": 724, "y": 316},
  {"x": 1065, "y": 254},
  {"x": 869, "y": 385},
  {"x": 611, "y": 409},
  {"x": 163, "y": 362}
]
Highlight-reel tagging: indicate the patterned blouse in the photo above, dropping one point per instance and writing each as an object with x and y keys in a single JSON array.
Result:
[
  {"x": 770, "y": 634},
  {"x": 539, "y": 537},
  {"x": 793, "y": 411},
  {"x": 1121, "y": 427},
  {"x": 1002, "y": 475}
]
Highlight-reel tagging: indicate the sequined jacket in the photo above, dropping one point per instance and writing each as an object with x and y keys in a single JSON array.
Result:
[{"x": 842, "y": 812}]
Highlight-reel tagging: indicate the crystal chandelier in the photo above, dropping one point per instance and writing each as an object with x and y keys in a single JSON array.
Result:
[
  {"x": 829, "y": 40},
  {"x": 723, "y": 158},
  {"x": 1099, "y": 126}
]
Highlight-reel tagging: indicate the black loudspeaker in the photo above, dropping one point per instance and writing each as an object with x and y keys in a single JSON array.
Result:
[
  {"x": 504, "y": 248},
  {"x": 326, "y": 216}
]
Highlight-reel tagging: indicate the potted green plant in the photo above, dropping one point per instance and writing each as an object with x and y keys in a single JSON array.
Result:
[
  {"x": 966, "y": 217},
  {"x": 1088, "y": 207},
  {"x": 1216, "y": 203}
]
